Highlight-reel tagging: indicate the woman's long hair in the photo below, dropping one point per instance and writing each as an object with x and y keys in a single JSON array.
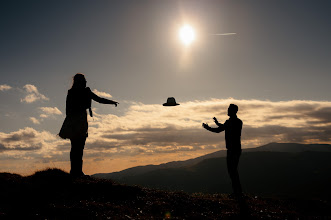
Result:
[{"x": 78, "y": 81}]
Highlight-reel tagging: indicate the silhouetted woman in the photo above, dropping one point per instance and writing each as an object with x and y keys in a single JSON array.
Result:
[{"x": 78, "y": 101}]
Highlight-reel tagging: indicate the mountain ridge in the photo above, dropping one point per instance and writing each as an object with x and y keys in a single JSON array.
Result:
[
  {"x": 302, "y": 171},
  {"x": 274, "y": 147}
]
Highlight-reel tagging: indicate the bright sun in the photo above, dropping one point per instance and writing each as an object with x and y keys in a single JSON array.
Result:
[{"x": 187, "y": 35}]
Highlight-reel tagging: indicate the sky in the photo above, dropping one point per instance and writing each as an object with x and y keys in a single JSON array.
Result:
[{"x": 275, "y": 67}]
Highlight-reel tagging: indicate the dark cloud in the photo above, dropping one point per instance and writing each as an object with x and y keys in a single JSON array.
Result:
[
  {"x": 2, "y": 147},
  {"x": 287, "y": 134},
  {"x": 64, "y": 147},
  {"x": 250, "y": 133},
  {"x": 103, "y": 144},
  {"x": 170, "y": 135},
  {"x": 98, "y": 159},
  {"x": 19, "y": 148},
  {"x": 298, "y": 108},
  {"x": 20, "y": 136},
  {"x": 54, "y": 158},
  {"x": 322, "y": 114},
  {"x": 97, "y": 154},
  {"x": 30, "y": 148},
  {"x": 285, "y": 116},
  {"x": 149, "y": 140},
  {"x": 25, "y": 140}
]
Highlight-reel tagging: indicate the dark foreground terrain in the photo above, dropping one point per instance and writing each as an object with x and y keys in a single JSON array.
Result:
[{"x": 53, "y": 194}]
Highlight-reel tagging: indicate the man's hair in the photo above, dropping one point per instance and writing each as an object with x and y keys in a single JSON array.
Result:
[{"x": 234, "y": 107}]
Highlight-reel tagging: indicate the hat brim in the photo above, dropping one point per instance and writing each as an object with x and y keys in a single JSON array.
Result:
[{"x": 170, "y": 104}]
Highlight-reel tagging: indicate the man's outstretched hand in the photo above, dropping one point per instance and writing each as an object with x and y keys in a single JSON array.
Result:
[
  {"x": 215, "y": 130},
  {"x": 205, "y": 125},
  {"x": 116, "y": 103}
]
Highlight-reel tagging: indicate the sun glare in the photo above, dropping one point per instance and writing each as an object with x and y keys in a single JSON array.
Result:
[{"x": 186, "y": 35}]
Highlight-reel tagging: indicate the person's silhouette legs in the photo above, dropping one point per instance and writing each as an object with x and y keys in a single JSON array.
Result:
[
  {"x": 76, "y": 156},
  {"x": 232, "y": 160}
]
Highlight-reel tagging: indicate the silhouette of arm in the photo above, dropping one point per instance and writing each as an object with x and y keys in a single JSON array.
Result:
[
  {"x": 219, "y": 129},
  {"x": 102, "y": 100},
  {"x": 217, "y": 123}
]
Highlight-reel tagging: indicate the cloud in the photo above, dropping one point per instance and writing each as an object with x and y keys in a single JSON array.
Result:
[
  {"x": 32, "y": 94},
  {"x": 27, "y": 150},
  {"x": 19, "y": 148},
  {"x": 28, "y": 147},
  {"x": 49, "y": 111},
  {"x": 156, "y": 129},
  {"x": 34, "y": 120},
  {"x": 44, "y": 116},
  {"x": 26, "y": 139},
  {"x": 155, "y": 134},
  {"x": 21, "y": 135},
  {"x": 153, "y": 129},
  {"x": 5, "y": 87},
  {"x": 224, "y": 34},
  {"x": 322, "y": 114},
  {"x": 103, "y": 94}
]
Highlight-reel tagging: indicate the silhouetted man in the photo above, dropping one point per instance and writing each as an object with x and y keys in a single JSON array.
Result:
[{"x": 232, "y": 128}]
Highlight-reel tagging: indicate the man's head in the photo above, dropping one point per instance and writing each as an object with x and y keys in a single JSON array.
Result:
[{"x": 232, "y": 110}]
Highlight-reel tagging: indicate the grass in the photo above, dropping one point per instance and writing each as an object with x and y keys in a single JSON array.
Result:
[{"x": 53, "y": 194}]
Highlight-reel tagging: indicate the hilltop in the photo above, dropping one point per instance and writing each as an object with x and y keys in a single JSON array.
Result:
[{"x": 53, "y": 194}]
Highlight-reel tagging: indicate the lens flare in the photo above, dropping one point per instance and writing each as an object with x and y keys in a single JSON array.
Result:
[{"x": 186, "y": 35}]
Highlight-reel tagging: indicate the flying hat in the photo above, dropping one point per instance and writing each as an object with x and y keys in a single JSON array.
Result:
[{"x": 170, "y": 102}]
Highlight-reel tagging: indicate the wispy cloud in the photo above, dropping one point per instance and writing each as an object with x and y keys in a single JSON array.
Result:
[
  {"x": 34, "y": 120},
  {"x": 32, "y": 94},
  {"x": 5, "y": 87},
  {"x": 224, "y": 34},
  {"x": 49, "y": 111},
  {"x": 102, "y": 94}
]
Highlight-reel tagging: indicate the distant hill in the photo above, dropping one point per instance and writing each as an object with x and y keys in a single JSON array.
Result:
[
  {"x": 271, "y": 147},
  {"x": 272, "y": 169},
  {"x": 138, "y": 170},
  {"x": 292, "y": 147}
]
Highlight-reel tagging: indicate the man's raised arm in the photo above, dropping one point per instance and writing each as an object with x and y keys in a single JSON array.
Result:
[{"x": 219, "y": 129}]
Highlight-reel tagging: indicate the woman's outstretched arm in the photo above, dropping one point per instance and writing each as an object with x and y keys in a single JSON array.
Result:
[{"x": 102, "y": 100}]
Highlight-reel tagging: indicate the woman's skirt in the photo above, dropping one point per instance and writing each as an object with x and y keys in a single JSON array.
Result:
[{"x": 74, "y": 126}]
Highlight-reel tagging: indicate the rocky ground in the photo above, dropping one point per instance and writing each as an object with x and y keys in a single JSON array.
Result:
[{"x": 53, "y": 194}]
